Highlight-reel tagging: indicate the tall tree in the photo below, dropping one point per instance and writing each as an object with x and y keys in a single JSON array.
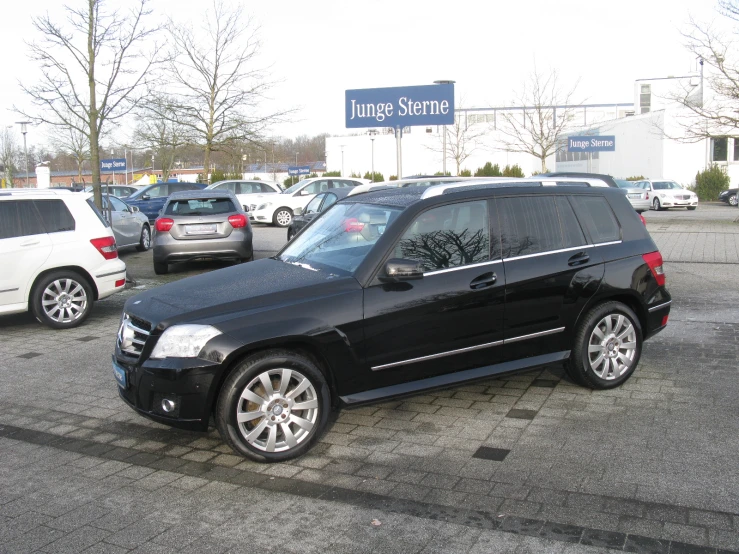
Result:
[
  {"x": 544, "y": 114},
  {"x": 9, "y": 152},
  {"x": 215, "y": 80},
  {"x": 93, "y": 63},
  {"x": 461, "y": 140},
  {"x": 161, "y": 130}
]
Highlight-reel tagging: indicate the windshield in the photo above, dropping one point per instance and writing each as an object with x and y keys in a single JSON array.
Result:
[
  {"x": 340, "y": 239},
  {"x": 665, "y": 185},
  {"x": 293, "y": 188}
]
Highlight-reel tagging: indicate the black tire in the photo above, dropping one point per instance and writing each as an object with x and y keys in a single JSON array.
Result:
[
  {"x": 144, "y": 240},
  {"x": 283, "y": 217},
  {"x": 246, "y": 375},
  {"x": 657, "y": 205},
  {"x": 161, "y": 268},
  {"x": 580, "y": 367},
  {"x": 691, "y": 208},
  {"x": 70, "y": 310}
]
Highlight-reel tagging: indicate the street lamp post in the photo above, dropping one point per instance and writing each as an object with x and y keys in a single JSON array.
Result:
[
  {"x": 342, "y": 159},
  {"x": 372, "y": 134},
  {"x": 296, "y": 165},
  {"x": 443, "y": 163},
  {"x": 24, "y": 130}
]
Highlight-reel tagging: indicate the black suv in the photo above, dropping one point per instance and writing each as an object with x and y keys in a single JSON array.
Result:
[{"x": 393, "y": 292}]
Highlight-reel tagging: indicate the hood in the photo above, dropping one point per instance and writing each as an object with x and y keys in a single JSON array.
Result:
[
  {"x": 674, "y": 192},
  {"x": 254, "y": 286}
]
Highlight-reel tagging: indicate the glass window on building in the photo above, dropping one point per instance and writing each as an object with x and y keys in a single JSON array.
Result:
[
  {"x": 645, "y": 98},
  {"x": 736, "y": 149},
  {"x": 719, "y": 149}
]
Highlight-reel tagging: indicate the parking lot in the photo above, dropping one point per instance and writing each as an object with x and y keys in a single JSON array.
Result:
[{"x": 648, "y": 467}]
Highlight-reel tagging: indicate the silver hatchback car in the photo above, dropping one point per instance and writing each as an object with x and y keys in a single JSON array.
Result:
[{"x": 201, "y": 224}]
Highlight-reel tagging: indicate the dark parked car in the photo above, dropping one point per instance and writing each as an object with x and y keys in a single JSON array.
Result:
[
  {"x": 150, "y": 200},
  {"x": 320, "y": 203},
  {"x": 201, "y": 224},
  {"x": 391, "y": 293},
  {"x": 730, "y": 197}
]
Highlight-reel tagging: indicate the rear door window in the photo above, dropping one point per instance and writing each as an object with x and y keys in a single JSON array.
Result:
[
  {"x": 55, "y": 215},
  {"x": 529, "y": 225},
  {"x": 572, "y": 233},
  {"x": 597, "y": 217}
]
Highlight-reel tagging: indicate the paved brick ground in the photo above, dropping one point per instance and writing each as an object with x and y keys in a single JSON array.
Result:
[{"x": 649, "y": 467}]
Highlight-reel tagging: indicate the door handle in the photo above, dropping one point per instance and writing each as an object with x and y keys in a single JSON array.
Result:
[
  {"x": 31, "y": 242},
  {"x": 484, "y": 280},
  {"x": 578, "y": 259}
]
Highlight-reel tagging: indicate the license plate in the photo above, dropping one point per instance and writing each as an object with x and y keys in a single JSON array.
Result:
[
  {"x": 634, "y": 195},
  {"x": 200, "y": 229},
  {"x": 120, "y": 375}
]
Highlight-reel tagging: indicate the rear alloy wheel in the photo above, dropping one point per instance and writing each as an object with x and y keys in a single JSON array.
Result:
[
  {"x": 283, "y": 217},
  {"x": 145, "y": 240},
  {"x": 273, "y": 407},
  {"x": 62, "y": 299},
  {"x": 161, "y": 268},
  {"x": 657, "y": 205},
  {"x": 733, "y": 200},
  {"x": 607, "y": 347}
]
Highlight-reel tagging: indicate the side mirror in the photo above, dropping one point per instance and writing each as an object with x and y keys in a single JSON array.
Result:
[
  {"x": 145, "y": 197},
  {"x": 134, "y": 209},
  {"x": 398, "y": 269},
  {"x": 297, "y": 211}
]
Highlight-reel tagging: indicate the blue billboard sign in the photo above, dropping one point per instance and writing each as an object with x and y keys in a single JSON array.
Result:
[
  {"x": 113, "y": 165},
  {"x": 298, "y": 170},
  {"x": 599, "y": 143},
  {"x": 400, "y": 106}
]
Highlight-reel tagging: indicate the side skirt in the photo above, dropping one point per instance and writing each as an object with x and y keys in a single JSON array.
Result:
[{"x": 451, "y": 379}]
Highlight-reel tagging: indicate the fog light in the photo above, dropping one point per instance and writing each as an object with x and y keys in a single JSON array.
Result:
[{"x": 167, "y": 405}]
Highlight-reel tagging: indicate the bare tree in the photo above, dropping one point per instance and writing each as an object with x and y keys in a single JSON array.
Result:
[
  {"x": 92, "y": 66},
  {"x": 9, "y": 152},
  {"x": 545, "y": 111},
  {"x": 461, "y": 140},
  {"x": 74, "y": 143},
  {"x": 711, "y": 107},
  {"x": 216, "y": 81},
  {"x": 161, "y": 130}
]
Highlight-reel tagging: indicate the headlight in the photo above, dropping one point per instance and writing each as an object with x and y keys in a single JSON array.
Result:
[
  {"x": 264, "y": 206},
  {"x": 183, "y": 341}
]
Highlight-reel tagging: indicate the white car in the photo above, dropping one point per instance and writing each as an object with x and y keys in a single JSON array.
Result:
[
  {"x": 57, "y": 256},
  {"x": 668, "y": 194},
  {"x": 247, "y": 191},
  {"x": 279, "y": 209}
]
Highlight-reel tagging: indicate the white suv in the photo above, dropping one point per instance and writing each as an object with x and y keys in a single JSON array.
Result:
[
  {"x": 57, "y": 256},
  {"x": 278, "y": 209}
]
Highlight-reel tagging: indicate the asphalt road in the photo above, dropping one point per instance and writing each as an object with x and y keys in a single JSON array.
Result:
[{"x": 649, "y": 467}]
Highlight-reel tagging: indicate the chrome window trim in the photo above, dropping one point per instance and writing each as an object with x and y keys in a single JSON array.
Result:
[
  {"x": 449, "y": 269},
  {"x": 608, "y": 243},
  {"x": 560, "y": 251},
  {"x": 658, "y": 306},
  {"x": 468, "y": 349}
]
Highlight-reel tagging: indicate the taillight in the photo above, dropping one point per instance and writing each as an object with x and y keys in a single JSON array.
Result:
[
  {"x": 106, "y": 246},
  {"x": 164, "y": 224},
  {"x": 644, "y": 221},
  {"x": 353, "y": 225},
  {"x": 237, "y": 221},
  {"x": 647, "y": 196},
  {"x": 654, "y": 261},
  {"x": 120, "y": 283}
]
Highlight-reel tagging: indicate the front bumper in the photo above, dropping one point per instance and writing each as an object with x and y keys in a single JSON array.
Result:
[
  {"x": 262, "y": 216},
  {"x": 672, "y": 203}
]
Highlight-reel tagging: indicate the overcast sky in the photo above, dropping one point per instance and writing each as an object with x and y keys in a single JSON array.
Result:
[{"x": 320, "y": 48}]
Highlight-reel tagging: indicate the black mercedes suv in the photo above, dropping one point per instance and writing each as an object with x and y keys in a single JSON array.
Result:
[{"x": 393, "y": 292}]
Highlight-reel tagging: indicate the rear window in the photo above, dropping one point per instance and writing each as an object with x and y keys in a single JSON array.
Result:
[
  {"x": 55, "y": 215},
  {"x": 597, "y": 217},
  {"x": 200, "y": 206}
]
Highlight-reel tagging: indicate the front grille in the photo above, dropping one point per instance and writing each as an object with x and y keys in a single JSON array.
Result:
[
  {"x": 132, "y": 335},
  {"x": 684, "y": 197}
]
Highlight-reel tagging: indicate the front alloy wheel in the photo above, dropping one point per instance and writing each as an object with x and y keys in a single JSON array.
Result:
[
  {"x": 273, "y": 406},
  {"x": 283, "y": 217},
  {"x": 145, "y": 240},
  {"x": 733, "y": 200}
]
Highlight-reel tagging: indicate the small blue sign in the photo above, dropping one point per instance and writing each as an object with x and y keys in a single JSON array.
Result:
[
  {"x": 400, "y": 106},
  {"x": 113, "y": 165},
  {"x": 600, "y": 143},
  {"x": 298, "y": 170}
]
